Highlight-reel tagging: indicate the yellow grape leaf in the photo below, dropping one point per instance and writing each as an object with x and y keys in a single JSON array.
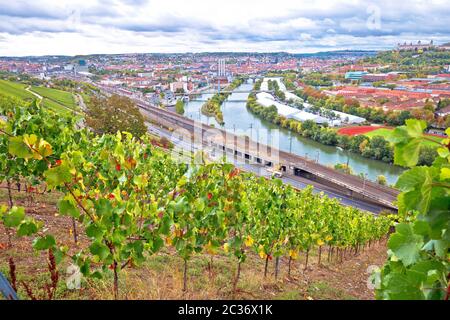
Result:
[
  {"x": 30, "y": 140},
  {"x": 445, "y": 173},
  {"x": 249, "y": 241},
  {"x": 45, "y": 149},
  {"x": 261, "y": 252},
  {"x": 293, "y": 254}
]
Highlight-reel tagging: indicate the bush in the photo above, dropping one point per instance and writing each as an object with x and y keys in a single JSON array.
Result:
[{"x": 381, "y": 180}]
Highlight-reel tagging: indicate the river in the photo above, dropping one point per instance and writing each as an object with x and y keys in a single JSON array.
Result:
[{"x": 238, "y": 119}]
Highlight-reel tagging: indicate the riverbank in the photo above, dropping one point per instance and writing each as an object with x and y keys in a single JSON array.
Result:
[
  {"x": 238, "y": 119},
  {"x": 211, "y": 108}
]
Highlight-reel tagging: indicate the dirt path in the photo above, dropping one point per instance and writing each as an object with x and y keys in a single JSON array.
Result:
[
  {"x": 80, "y": 101},
  {"x": 34, "y": 93}
]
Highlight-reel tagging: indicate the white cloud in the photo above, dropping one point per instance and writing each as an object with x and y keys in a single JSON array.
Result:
[{"x": 112, "y": 26}]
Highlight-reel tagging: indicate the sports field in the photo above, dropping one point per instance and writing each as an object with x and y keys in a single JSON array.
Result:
[{"x": 354, "y": 131}]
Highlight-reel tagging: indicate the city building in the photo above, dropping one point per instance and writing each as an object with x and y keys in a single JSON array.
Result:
[
  {"x": 355, "y": 75},
  {"x": 415, "y": 47}
]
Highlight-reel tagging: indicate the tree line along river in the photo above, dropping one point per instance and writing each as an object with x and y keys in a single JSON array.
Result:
[{"x": 240, "y": 120}]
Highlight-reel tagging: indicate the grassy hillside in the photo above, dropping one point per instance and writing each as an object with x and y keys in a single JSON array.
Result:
[
  {"x": 56, "y": 100},
  {"x": 63, "y": 98},
  {"x": 54, "y": 106},
  {"x": 14, "y": 89}
]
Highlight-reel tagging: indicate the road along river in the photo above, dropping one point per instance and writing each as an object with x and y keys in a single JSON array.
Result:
[{"x": 241, "y": 121}]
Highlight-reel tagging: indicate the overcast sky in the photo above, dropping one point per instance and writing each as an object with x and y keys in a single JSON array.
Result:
[{"x": 31, "y": 27}]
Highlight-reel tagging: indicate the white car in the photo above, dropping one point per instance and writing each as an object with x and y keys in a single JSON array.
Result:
[{"x": 275, "y": 173}]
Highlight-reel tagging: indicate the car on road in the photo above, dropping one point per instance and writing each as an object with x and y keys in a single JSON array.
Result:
[{"x": 275, "y": 173}]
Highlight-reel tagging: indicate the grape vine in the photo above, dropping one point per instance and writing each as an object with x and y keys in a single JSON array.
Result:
[
  {"x": 131, "y": 200},
  {"x": 418, "y": 264}
]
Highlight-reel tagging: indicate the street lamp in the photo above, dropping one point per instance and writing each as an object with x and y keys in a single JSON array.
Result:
[
  {"x": 364, "y": 181},
  {"x": 318, "y": 155},
  {"x": 290, "y": 142}
]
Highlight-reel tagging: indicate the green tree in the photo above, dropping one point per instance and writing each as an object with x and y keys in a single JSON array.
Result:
[
  {"x": 381, "y": 180},
  {"x": 343, "y": 167},
  {"x": 179, "y": 107},
  {"x": 113, "y": 114}
]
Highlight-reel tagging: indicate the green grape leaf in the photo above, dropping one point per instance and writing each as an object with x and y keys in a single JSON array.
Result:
[
  {"x": 57, "y": 176},
  {"x": 416, "y": 185},
  {"x": 415, "y": 127},
  {"x": 445, "y": 174},
  {"x": 421, "y": 227},
  {"x": 407, "y": 153},
  {"x": 403, "y": 286},
  {"x": 66, "y": 207},
  {"x": 400, "y": 286},
  {"x": 439, "y": 246},
  {"x": 158, "y": 243},
  {"x": 14, "y": 217},
  {"x": 165, "y": 225},
  {"x": 44, "y": 243},
  {"x": 27, "y": 228},
  {"x": 59, "y": 254},
  {"x": 103, "y": 207},
  {"x": 94, "y": 231},
  {"x": 398, "y": 135},
  {"x": 18, "y": 148},
  {"x": 443, "y": 152},
  {"x": 405, "y": 244},
  {"x": 99, "y": 250},
  {"x": 407, "y": 140}
]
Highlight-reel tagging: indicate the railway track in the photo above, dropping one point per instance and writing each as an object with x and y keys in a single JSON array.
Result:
[
  {"x": 370, "y": 190},
  {"x": 384, "y": 195}
]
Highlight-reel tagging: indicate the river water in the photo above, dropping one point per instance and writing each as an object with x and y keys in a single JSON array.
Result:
[{"x": 239, "y": 120}]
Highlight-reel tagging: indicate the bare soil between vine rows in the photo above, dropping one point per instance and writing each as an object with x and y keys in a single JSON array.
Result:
[{"x": 161, "y": 276}]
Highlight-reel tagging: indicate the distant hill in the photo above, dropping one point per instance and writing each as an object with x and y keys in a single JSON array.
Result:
[
  {"x": 56, "y": 58},
  {"x": 338, "y": 53}
]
